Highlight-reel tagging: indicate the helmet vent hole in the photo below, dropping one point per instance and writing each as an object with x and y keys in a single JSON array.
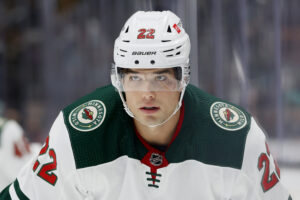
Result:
[
  {"x": 178, "y": 53},
  {"x": 168, "y": 50},
  {"x": 166, "y": 41},
  {"x": 127, "y": 29},
  {"x": 136, "y": 62},
  {"x": 169, "y": 29},
  {"x": 126, "y": 40},
  {"x": 178, "y": 47},
  {"x": 152, "y": 62},
  {"x": 123, "y": 50},
  {"x": 170, "y": 55}
]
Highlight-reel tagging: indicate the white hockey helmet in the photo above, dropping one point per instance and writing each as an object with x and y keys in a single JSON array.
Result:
[{"x": 152, "y": 39}]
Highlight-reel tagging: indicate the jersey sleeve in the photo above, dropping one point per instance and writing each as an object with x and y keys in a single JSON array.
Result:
[
  {"x": 260, "y": 169},
  {"x": 49, "y": 173}
]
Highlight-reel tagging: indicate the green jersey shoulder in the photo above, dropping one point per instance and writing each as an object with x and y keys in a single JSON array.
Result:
[
  {"x": 96, "y": 124},
  {"x": 214, "y": 131}
]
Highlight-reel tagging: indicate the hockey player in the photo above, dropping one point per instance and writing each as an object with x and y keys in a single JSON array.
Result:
[
  {"x": 15, "y": 150},
  {"x": 173, "y": 141}
]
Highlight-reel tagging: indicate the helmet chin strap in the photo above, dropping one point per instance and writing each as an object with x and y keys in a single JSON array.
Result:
[{"x": 153, "y": 125}]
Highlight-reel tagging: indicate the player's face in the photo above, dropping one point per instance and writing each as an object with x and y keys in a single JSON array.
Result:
[{"x": 150, "y": 105}]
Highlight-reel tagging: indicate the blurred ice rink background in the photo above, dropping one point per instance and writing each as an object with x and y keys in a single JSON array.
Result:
[{"x": 245, "y": 51}]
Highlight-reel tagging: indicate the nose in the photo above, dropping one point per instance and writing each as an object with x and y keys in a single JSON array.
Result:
[{"x": 148, "y": 93}]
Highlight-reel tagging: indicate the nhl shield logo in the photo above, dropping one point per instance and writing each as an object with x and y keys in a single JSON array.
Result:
[
  {"x": 156, "y": 159},
  {"x": 227, "y": 116},
  {"x": 88, "y": 116}
]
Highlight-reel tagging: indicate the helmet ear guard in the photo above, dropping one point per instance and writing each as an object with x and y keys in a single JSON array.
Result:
[{"x": 113, "y": 76}]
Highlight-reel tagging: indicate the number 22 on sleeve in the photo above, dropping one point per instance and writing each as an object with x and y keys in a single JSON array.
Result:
[
  {"x": 268, "y": 180},
  {"x": 46, "y": 170}
]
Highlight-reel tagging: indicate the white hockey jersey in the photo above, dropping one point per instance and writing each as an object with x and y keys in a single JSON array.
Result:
[{"x": 218, "y": 152}]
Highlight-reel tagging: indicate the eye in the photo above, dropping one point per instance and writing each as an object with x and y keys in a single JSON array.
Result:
[
  {"x": 134, "y": 78},
  {"x": 161, "y": 78}
]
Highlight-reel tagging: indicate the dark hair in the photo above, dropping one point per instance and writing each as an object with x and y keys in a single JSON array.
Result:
[{"x": 177, "y": 72}]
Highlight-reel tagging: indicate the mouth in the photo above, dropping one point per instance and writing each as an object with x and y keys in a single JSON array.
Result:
[{"x": 149, "y": 109}]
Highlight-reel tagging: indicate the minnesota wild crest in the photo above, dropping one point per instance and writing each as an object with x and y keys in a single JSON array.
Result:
[
  {"x": 88, "y": 116},
  {"x": 227, "y": 116}
]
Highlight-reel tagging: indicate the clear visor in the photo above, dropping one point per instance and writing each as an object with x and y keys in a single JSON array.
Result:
[{"x": 162, "y": 79}]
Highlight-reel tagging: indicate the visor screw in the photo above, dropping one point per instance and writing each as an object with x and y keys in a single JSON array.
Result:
[
  {"x": 152, "y": 62},
  {"x": 136, "y": 62}
]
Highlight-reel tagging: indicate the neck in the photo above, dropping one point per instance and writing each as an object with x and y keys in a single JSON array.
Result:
[{"x": 160, "y": 135}]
